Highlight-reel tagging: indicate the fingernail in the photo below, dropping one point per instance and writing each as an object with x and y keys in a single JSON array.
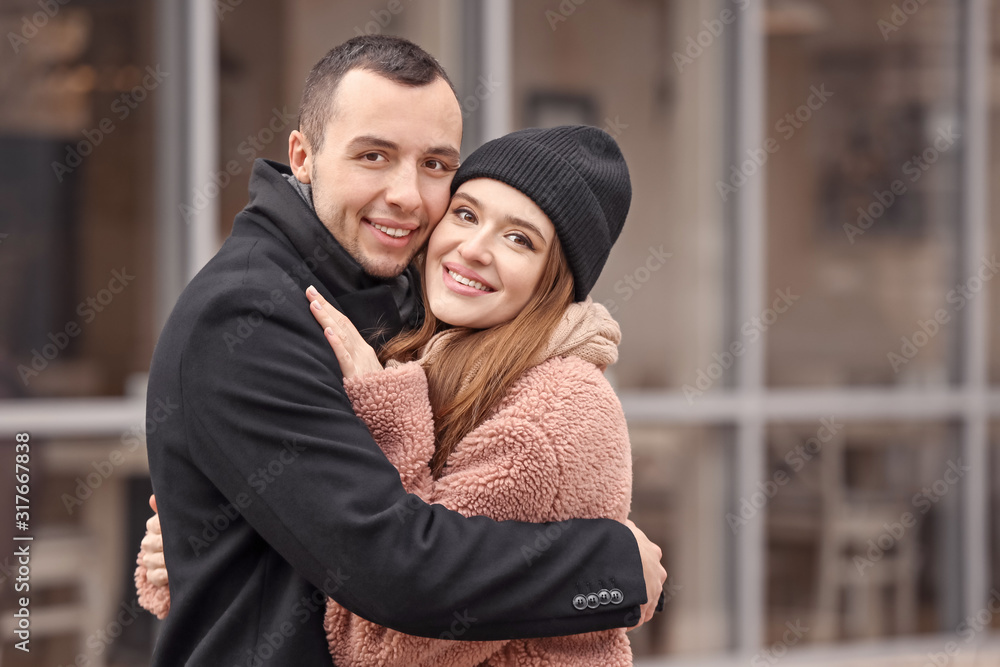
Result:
[
  {"x": 329, "y": 332},
  {"x": 316, "y": 305},
  {"x": 312, "y": 290}
]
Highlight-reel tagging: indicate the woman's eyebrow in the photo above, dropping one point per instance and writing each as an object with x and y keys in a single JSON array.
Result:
[
  {"x": 521, "y": 222},
  {"x": 509, "y": 219}
]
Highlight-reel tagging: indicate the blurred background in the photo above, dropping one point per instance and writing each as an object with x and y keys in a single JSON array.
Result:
[{"x": 811, "y": 352}]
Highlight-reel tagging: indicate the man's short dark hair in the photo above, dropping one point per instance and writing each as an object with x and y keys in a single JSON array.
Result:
[{"x": 395, "y": 58}]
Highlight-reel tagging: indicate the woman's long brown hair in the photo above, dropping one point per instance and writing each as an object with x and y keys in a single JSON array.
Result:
[{"x": 495, "y": 357}]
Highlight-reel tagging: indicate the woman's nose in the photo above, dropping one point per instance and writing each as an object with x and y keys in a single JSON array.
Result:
[{"x": 476, "y": 248}]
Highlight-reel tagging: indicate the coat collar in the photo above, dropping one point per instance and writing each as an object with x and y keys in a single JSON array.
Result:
[{"x": 368, "y": 301}]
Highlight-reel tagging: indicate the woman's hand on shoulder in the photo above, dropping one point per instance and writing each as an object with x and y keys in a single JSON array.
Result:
[{"x": 355, "y": 355}]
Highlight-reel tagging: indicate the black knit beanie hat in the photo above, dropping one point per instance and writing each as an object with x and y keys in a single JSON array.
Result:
[{"x": 576, "y": 174}]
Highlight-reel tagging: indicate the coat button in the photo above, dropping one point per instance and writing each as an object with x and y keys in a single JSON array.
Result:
[
  {"x": 616, "y": 596},
  {"x": 604, "y": 596},
  {"x": 592, "y": 601},
  {"x": 580, "y": 602}
]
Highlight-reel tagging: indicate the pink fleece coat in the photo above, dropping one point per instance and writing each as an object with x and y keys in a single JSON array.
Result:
[{"x": 556, "y": 449}]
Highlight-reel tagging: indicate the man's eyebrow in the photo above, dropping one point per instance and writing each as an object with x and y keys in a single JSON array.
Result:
[
  {"x": 447, "y": 152},
  {"x": 509, "y": 219},
  {"x": 371, "y": 141}
]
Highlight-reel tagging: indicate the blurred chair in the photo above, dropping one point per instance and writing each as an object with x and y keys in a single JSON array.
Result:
[
  {"x": 860, "y": 591},
  {"x": 876, "y": 582}
]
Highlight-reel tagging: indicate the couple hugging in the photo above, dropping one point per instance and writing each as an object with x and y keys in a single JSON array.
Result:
[{"x": 438, "y": 472}]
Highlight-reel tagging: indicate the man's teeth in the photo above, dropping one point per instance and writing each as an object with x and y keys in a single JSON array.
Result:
[
  {"x": 471, "y": 283},
  {"x": 392, "y": 231}
]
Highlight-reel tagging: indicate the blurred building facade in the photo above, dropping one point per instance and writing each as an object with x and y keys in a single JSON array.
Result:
[{"x": 811, "y": 352}]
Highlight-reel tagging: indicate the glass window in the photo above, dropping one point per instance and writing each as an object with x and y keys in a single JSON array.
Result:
[
  {"x": 862, "y": 519},
  {"x": 862, "y": 197},
  {"x": 680, "y": 477},
  {"x": 663, "y": 281},
  {"x": 77, "y": 111},
  {"x": 993, "y": 200},
  {"x": 994, "y": 521}
]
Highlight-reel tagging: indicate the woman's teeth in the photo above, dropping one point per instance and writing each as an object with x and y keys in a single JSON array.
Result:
[
  {"x": 392, "y": 231},
  {"x": 471, "y": 283}
]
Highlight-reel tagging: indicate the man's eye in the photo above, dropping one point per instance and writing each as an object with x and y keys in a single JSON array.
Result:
[
  {"x": 373, "y": 157},
  {"x": 436, "y": 165}
]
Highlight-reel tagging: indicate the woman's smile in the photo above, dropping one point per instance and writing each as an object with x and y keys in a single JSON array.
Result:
[{"x": 485, "y": 258}]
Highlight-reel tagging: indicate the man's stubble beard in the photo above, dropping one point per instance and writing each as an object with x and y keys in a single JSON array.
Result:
[{"x": 371, "y": 267}]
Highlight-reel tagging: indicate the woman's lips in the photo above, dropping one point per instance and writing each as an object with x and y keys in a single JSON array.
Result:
[
  {"x": 460, "y": 288},
  {"x": 469, "y": 275}
]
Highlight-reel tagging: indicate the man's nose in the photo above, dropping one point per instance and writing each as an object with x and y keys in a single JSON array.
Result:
[{"x": 403, "y": 191}]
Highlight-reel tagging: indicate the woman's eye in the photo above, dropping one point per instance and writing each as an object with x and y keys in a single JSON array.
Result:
[
  {"x": 522, "y": 240},
  {"x": 465, "y": 215}
]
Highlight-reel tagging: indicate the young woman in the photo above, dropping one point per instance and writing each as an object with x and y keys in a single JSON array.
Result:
[{"x": 497, "y": 404}]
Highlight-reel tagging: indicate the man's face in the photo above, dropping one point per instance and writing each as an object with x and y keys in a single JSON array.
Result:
[{"x": 381, "y": 180}]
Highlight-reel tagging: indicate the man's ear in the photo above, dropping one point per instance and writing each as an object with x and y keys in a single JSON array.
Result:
[{"x": 300, "y": 157}]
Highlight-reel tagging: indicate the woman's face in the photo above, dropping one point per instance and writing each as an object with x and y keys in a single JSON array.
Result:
[{"x": 486, "y": 256}]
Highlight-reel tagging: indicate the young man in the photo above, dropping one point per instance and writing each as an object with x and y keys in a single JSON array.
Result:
[{"x": 271, "y": 492}]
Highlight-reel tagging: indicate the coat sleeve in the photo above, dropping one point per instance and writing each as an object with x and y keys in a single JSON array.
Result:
[
  {"x": 274, "y": 393},
  {"x": 394, "y": 405},
  {"x": 558, "y": 452}
]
